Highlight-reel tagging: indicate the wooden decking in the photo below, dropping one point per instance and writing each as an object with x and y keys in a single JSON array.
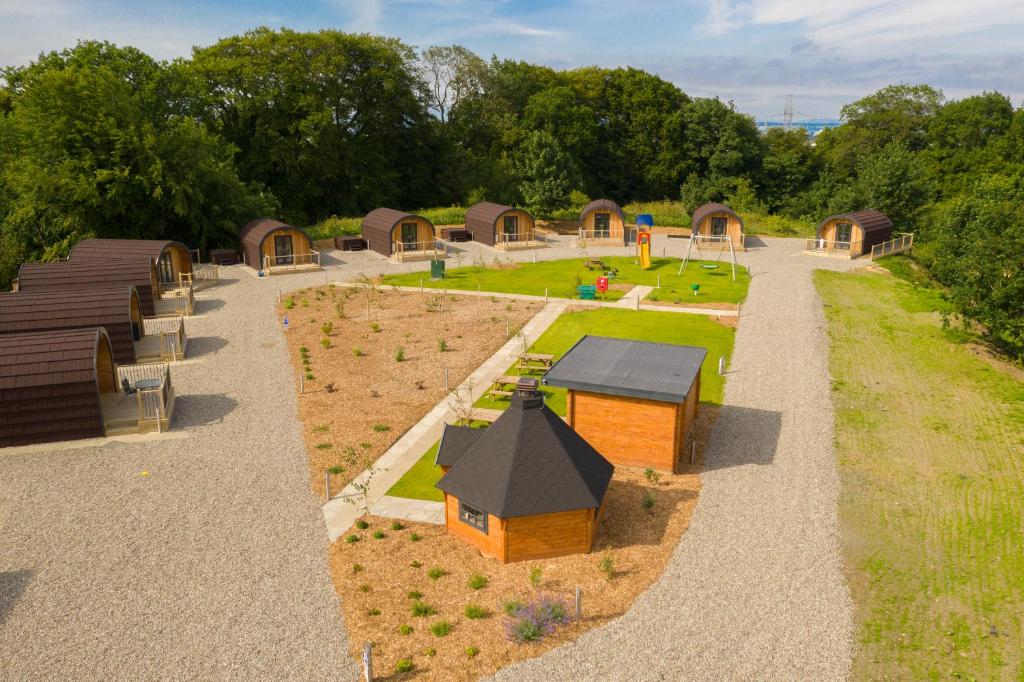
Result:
[{"x": 121, "y": 415}]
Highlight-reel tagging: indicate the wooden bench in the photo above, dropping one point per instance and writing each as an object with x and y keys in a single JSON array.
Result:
[{"x": 594, "y": 264}]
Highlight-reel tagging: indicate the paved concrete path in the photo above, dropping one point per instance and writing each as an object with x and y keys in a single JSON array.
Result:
[
  {"x": 755, "y": 588},
  {"x": 423, "y": 511},
  {"x": 348, "y": 505}
]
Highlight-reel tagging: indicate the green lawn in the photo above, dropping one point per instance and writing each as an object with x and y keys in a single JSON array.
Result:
[
  {"x": 693, "y": 330},
  {"x": 560, "y": 278},
  {"x": 929, "y": 439}
]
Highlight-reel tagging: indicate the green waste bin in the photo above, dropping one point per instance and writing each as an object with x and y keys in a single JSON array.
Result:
[{"x": 437, "y": 269}]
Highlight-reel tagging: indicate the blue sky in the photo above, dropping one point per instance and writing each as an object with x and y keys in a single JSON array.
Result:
[{"x": 754, "y": 52}]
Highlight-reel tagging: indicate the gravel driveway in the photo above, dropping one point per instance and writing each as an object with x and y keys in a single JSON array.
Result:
[
  {"x": 755, "y": 589},
  {"x": 213, "y": 566}
]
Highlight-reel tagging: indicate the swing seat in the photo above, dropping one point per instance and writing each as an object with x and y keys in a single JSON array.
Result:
[{"x": 709, "y": 266}]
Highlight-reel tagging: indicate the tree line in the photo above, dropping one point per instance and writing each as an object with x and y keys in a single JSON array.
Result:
[{"x": 104, "y": 140}]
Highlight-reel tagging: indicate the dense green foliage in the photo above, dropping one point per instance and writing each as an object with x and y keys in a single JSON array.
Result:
[{"x": 308, "y": 126}]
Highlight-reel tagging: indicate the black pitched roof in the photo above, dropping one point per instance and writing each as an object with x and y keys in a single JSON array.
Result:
[
  {"x": 455, "y": 440},
  {"x": 529, "y": 461},
  {"x": 635, "y": 369}
]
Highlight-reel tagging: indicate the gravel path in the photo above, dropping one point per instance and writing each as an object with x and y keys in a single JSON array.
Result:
[
  {"x": 213, "y": 566},
  {"x": 755, "y": 589}
]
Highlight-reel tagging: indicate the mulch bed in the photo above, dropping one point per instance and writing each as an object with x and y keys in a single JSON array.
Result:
[{"x": 376, "y": 398}]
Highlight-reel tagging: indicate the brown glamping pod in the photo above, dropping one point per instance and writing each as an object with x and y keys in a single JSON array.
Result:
[
  {"x": 852, "y": 234},
  {"x": 52, "y": 385},
  {"x": 170, "y": 257},
  {"x": 526, "y": 487},
  {"x": 398, "y": 235},
  {"x": 503, "y": 227},
  {"x": 140, "y": 273},
  {"x": 634, "y": 401},
  {"x": 719, "y": 222},
  {"x": 602, "y": 221},
  {"x": 273, "y": 247}
]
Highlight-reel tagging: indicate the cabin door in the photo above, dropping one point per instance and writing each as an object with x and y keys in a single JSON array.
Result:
[
  {"x": 409, "y": 236},
  {"x": 718, "y": 226},
  {"x": 602, "y": 225},
  {"x": 283, "y": 250},
  {"x": 844, "y": 231},
  {"x": 510, "y": 227},
  {"x": 165, "y": 268}
]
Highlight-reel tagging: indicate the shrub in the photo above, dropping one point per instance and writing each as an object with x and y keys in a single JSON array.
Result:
[
  {"x": 535, "y": 575},
  {"x": 652, "y": 475},
  {"x": 399, "y": 354},
  {"x": 477, "y": 581},
  {"x": 414, "y": 594},
  {"x": 442, "y": 345},
  {"x": 309, "y": 376},
  {"x": 358, "y": 352},
  {"x": 373, "y": 612},
  {"x": 381, "y": 428},
  {"x": 607, "y": 565},
  {"x": 329, "y": 387},
  {"x": 441, "y": 628},
  {"x": 532, "y": 621},
  {"x": 415, "y": 564},
  {"x": 405, "y": 630},
  {"x": 351, "y": 539},
  {"x": 436, "y": 572},
  {"x": 306, "y": 362},
  {"x": 322, "y": 428},
  {"x": 304, "y": 302},
  {"x": 327, "y": 328},
  {"x": 648, "y": 501},
  {"x": 404, "y": 665},
  {"x": 422, "y": 609},
  {"x": 652, "y": 296},
  {"x": 289, "y": 303},
  {"x": 362, "y": 524},
  {"x": 511, "y": 607},
  {"x": 357, "y": 568},
  {"x": 303, "y": 350},
  {"x": 420, "y": 386},
  {"x": 415, "y": 537},
  {"x": 471, "y": 651},
  {"x": 430, "y": 651},
  {"x": 379, "y": 534},
  {"x": 364, "y": 588},
  {"x": 374, "y": 327},
  {"x": 325, "y": 342},
  {"x": 475, "y": 612},
  {"x": 397, "y": 525},
  {"x": 336, "y": 469}
]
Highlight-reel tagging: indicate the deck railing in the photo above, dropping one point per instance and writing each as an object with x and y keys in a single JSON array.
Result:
[
  {"x": 171, "y": 331},
  {"x": 154, "y": 404},
  {"x": 898, "y": 245},
  {"x": 297, "y": 261},
  {"x": 517, "y": 240},
  {"x": 200, "y": 277},
  {"x": 403, "y": 250},
  {"x": 615, "y": 235},
  {"x": 184, "y": 298},
  {"x": 848, "y": 249}
]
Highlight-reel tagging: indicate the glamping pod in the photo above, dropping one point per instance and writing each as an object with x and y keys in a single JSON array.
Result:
[
  {"x": 719, "y": 222},
  {"x": 854, "y": 233},
  {"x": 398, "y": 235},
  {"x": 140, "y": 273},
  {"x": 274, "y": 247},
  {"x": 501, "y": 226},
  {"x": 526, "y": 487},
  {"x": 634, "y": 401},
  {"x": 51, "y": 385},
  {"x": 118, "y": 311},
  {"x": 602, "y": 220},
  {"x": 170, "y": 257}
]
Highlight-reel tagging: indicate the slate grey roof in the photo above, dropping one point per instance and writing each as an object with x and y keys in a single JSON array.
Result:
[
  {"x": 635, "y": 369},
  {"x": 455, "y": 440},
  {"x": 529, "y": 461}
]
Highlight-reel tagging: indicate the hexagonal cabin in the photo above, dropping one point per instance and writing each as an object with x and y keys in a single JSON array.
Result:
[
  {"x": 140, "y": 273},
  {"x": 274, "y": 248},
  {"x": 853, "y": 234},
  {"x": 170, "y": 257},
  {"x": 398, "y": 235},
  {"x": 526, "y": 487},
  {"x": 500, "y": 226},
  {"x": 603, "y": 222},
  {"x": 634, "y": 401},
  {"x": 718, "y": 222}
]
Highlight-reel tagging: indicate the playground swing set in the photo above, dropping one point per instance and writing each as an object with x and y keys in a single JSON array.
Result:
[{"x": 695, "y": 240}]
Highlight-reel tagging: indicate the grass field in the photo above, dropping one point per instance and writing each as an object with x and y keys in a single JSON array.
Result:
[
  {"x": 643, "y": 325},
  {"x": 561, "y": 277},
  {"x": 930, "y": 436}
]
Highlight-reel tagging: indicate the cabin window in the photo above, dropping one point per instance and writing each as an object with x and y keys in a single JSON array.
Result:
[
  {"x": 602, "y": 224},
  {"x": 409, "y": 236},
  {"x": 844, "y": 231},
  {"x": 473, "y": 516},
  {"x": 166, "y": 270},
  {"x": 718, "y": 227},
  {"x": 510, "y": 227}
]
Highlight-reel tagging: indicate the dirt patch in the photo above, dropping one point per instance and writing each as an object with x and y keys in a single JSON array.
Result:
[
  {"x": 377, "y": 605},
  {"x": 996, "y": 360},
  {"x": 376, "y": 397}
]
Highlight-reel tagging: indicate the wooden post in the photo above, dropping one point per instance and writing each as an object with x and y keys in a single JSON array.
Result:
[
  {"x": 327, "y": 485},
  {"x": 579, "y": 602},
  {"x": 693, "y": 452},
  {"x": 721, "y": 365},
  {"x": 302, "y": 382},
  {"x": 637, "y": 302},
  {"x": 368, "y": 661},
  {"x": 421, "y": 285},
  {"x": 545, "y": 294},
  {"x": 446, "y": 378},
  {"x": 659, "y": 281},
  {"x": 508, "y": 333}
]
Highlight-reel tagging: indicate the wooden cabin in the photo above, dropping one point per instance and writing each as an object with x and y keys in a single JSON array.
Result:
[
  {"x": 634, "y": 401},
  {"x": 118, "y": 311},
  {"x": 140, "y": 273},
  {"x": 852, "y": 234},
  {"x": 400, "y": 236},
  {"x": 501, "y": 226},
  {"x": 274, "y": 248},
  {"x": 718, "y": 222},
  {"x": 65, "y": 385},
  {"x": 172, "y": 258},
  {"x": 603, "y": 223},
  {"x": 527, "y": 487}
]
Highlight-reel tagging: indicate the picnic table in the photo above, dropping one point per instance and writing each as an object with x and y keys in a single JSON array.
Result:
[
  {"x": 535, "y": 362},
  {"x": 594, "y": 264},
  {"x": 497, "y": 389}
]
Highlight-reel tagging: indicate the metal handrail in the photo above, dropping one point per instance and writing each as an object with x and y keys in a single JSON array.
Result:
[{"x": 898, "y": 245}]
